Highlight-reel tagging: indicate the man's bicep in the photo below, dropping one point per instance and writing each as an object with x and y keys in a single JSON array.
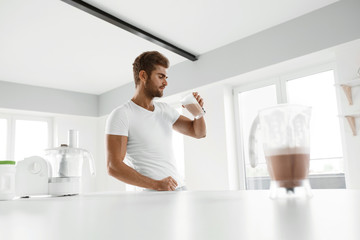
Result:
[
  {"x": 184, "y": 125},
  {"x": 116, "y": 146}
]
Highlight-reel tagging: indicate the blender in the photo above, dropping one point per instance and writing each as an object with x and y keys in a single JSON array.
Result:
[
  {"x": 285, "y": 133},
  {"x": 66, "y": 165}
]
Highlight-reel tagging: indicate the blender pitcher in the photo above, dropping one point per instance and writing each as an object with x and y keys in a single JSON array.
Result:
[
  {"x": 285, "y": 134},
  {"x": 66, "y": 169},
  {"x": 66, "y": 166}
]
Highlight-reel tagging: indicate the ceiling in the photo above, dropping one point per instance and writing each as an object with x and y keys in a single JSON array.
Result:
[{"x": 49, "y": 43}]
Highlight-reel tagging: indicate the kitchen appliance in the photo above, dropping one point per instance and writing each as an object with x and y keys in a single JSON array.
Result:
[
  {"x": 31, "y": 178},
  {"x": 58, "y": 173},
  {"x": 285, "y": 134},
  {"x": 7, "y": 179}
]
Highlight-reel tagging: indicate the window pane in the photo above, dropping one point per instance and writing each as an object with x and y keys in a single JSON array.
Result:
[
  {"x": 250, "y": 102},
  {"x": 3, "y": 138},
  {"x": 31, "y": 138},
  {"x": 318, "y": 92}
]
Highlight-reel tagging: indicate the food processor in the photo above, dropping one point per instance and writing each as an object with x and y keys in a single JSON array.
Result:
[{"x": 66, "y": 166}]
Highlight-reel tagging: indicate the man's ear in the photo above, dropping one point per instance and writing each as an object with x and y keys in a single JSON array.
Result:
[{"x": 143, "y": 76}]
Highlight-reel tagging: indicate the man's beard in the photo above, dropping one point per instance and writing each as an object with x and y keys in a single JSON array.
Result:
[{"x": 151, "y": 90}]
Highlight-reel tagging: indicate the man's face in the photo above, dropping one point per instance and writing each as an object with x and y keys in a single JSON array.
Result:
[{"x": 156, "y": 83}]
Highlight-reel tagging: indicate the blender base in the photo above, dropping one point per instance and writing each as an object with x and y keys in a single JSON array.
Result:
[
  {"x": 64, "y": 186},
  {"x": 288, "y": 189}
]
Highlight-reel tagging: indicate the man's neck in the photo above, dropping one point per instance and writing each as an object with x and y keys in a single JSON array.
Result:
[{"x": 143, "y": 102}]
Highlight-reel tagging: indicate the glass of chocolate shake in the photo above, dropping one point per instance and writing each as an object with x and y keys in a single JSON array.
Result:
[
  {"x": 285, "y": 135},
  {"x": 192, "y": 105}
]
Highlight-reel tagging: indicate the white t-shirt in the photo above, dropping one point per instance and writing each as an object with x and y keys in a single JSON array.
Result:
[{"x": 149, "y": 133}]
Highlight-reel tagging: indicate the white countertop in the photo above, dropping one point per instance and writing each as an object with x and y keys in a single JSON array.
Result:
[{"x": 221, "y": 215}]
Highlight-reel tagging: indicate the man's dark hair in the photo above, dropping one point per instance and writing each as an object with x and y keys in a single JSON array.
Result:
[{"x": 147, "y": 62}]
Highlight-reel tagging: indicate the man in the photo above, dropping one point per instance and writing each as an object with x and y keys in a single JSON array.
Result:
[{"x": 141, "y": 129}]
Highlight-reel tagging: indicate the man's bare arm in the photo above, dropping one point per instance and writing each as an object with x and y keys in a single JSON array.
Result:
[
  {"x": 194, "y": 128},
  {"x": 116, "y": 151}
]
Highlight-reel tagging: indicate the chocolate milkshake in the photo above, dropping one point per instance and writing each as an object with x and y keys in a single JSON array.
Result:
[
  {"x": 288, "y": 167},
  {"x": 195, "y": 109},
  {"x": 192, "y": 105}
]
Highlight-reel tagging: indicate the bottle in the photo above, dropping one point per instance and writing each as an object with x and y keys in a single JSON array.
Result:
[{"x": 7, "y": 180}]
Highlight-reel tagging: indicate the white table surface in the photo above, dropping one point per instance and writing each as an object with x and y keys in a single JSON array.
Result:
[{"x": 221, "y": 215}]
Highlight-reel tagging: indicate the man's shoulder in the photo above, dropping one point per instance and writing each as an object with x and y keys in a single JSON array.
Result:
[
  {"x": 121, "y": 109},
  {"x": 117, "y": 122},
  {"x": 124, "y": 106}
]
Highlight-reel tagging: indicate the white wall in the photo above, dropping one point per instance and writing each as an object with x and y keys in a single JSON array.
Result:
[
  {"x": 210, "y": 163},
  {"x": 206, "y": 166},
  {"x": 104, "y": 181},
  {"x": 348, "y": 63},
  {"x": 49, "y": 100}
]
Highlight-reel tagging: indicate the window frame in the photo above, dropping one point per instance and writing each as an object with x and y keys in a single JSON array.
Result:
[
  {"x": 279, "y": 81},
  {"x": 8, "y": 135},
  {"x": 240, "y": 151},
  {"x": 11, "y": 125}
]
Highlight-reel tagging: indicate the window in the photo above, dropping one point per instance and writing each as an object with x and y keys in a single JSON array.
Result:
[
  {"x": 3, "y": 138},
  {"x": 31, "y": 138},
  {"x": 316, "y": 90},
  {"x": 250, "y": 103},
  {"x": 23, "y": 136}
]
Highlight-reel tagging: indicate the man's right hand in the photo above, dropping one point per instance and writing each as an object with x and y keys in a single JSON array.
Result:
[{"x": 166, "y": 184}]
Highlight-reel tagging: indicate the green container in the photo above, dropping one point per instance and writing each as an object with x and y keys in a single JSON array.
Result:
[{"x": 7, "y": 162}]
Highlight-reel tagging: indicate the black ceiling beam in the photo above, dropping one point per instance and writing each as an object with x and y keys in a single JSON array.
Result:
[{"x": 128, "y": 27}]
